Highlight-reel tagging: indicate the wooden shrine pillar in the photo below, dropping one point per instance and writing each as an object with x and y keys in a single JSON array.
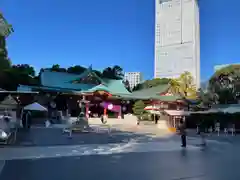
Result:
[
  {"x": 120, "y": 113},
  {"x": 87, "y": 109},
  {"x": 105, "y": 113}
]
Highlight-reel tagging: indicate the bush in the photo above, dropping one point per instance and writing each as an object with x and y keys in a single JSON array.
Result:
[{"x": 138, "y": 108}]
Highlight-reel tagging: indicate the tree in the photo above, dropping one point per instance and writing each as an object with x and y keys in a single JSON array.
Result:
[
  {"x": 206, "y": 98},
  {"x": 225, "y": 84},
  {"x": 138, "y": 108},
  {"x": 127, "y": 85},
  {"x": 57, "y": 68},
  {"x": 5, "y": 30},
  {"x": 18, "y": 74},
  {"x": 116, "y": 72},
  {"x": 98, "y": 73},
  {"x": 151, "y": 83},
  {"x": 184, "y": 85},
  {"x": 137, "y": 87},
  {"x": 24, "y": 69},
  {"x": 76, "y": 69}
]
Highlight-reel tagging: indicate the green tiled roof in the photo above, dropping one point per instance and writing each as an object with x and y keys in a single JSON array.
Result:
[
  {"x": 37, "y": 88},
  {"x": 61, "y": 81},
  {"x": 151, "y": 91},
  {"x": 98, "y": 88},
  {"x": 167, "y": 98},
  {"x": 116, "y": 87}
]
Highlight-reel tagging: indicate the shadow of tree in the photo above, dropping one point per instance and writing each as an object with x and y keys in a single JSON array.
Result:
[{"x": 54, "y": 137}]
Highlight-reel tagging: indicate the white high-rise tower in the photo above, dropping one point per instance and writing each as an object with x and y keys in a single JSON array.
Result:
[{"x": 177, "y": 39}]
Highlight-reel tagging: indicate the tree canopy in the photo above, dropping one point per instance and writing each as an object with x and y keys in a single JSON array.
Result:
[
  {"x": 5, "y": 30},
  {"x": 184, "y": 85},
  {"x": 138, "y": 108},
  {"x": 115, "y": 72},
  {"x": 151, "y": 83},
  {"x": 225, "y": 84}
]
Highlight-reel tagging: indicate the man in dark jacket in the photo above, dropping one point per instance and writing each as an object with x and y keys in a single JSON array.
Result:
[
  {"x": 182, "y": 130},
  {"x": 29, "y": 120}
]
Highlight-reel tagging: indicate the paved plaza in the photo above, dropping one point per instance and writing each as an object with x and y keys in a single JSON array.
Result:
[{"x": 119, "y": 155}]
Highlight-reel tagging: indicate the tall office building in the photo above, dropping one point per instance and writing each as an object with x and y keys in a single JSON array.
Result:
[
  {"x": 133, "y": 78},
  {"x": 177, "y": 39}
]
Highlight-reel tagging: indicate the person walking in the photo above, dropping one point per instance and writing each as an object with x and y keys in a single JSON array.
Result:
[
  {"x": 24, "y": 121},
  {"x": 182, "y": 131},
  {"x": 29, "y": 120},
  {"x": 202, "y": 133}
]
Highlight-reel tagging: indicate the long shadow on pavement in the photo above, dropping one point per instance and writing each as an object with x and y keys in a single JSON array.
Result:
[{"x": 54, "y": 137}]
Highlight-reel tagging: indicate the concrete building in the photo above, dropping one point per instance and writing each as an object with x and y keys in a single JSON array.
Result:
[
  {"x": 177, "y": 39},
  {"x": 133, "y": 78}
]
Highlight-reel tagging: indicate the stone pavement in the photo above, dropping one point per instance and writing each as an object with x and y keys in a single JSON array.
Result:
[
  {"x": 41, "y": 136},
  {"x": 127, "y": 155},
  {"x": 165, "y": 165},
  {"x": 91, "y": 149}
]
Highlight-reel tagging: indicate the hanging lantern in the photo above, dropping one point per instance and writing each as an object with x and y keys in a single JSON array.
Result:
[{"x": 110, "y": 106}]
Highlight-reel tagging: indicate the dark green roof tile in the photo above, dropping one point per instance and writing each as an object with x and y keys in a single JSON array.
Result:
[{"x": 151, "y": 91}]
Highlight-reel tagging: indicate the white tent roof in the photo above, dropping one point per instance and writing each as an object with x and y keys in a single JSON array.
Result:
[
  {"x": 177, "y": 113},
  {"x": 9, "y": 100},
  {"x": 35, "y": 107},
  {"x": 151, "y": 108},
  {"x": 231, "y": 110},
  {"x": 213, "y": 110}
]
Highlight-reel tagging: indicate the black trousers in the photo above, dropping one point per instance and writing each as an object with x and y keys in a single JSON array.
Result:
[{"x": 183, "y": 138}]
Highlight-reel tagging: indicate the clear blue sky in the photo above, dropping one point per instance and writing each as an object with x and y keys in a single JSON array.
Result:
[{"x": 107, "y": 32}]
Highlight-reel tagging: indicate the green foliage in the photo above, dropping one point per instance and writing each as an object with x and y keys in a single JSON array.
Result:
[
  {"x": 184, "y": 85},
  {"x": 23, "y": 69},
  {"x": 138, "y": 108},
  {"x": 206, "y": 98},
  {"x": 57, "y": 68},
  {"x": 18, "y": 74},
  {"x": 5, "y": 28},
  {"x": 127, "y": 85},
  {"x": 115, "y": 72},
  {"x": 5, "y": 63},
  {"x": 225, "y": 84},
  {"x": 76, "y": 69},
  {"x": 151, "y": 83}
]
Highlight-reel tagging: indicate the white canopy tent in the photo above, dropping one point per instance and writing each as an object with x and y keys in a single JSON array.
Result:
[
  {"x": 207, "y": 112},
  {"x": 35, "y": 107},
  {"x": 231, "y": 110},
  {"x": 153, "y": 109},
  {"x": 177, "y": 112},
  {"x": 8, "y": 103}
]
